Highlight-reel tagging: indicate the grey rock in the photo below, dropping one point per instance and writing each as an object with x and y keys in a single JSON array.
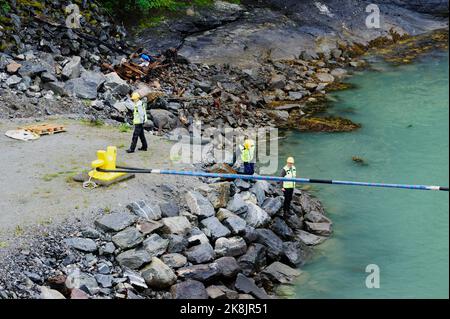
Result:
[
  {"x": 259, "y": 189},
  {"x": 108, "y": 249},
  {"x": 280, "y": 273},
  {"x": 237, "y": 205},
  {"x": 90, "y": 232},
  {"x": 294, "y": 222},
  {"x": 316, "y": 217},
  {"x": 253, "y": 260},
  {"x": 296, "y": 253},
  {"x": 221, "y": 292},
  {"x": 57, "y": 87},
  {"x": 214, "y": 229},
  {"x": 189, "y": 289},
  {"x": 47, "y": 293},
  {"x": 115, "y": 222},
  {"x": 144, "y": 209},
  {"x": 156, "y": 245},
  {"x": 280, "y": 228},
  {"x": 158, "y": 275},
  {"x": 228, "y": 266},
  {"x": 174, "y": 260},
  {"x": 13, "y": 80},
  {"x": 72, "y": 69},
  {"x": 236, "y": 224},
  {"x": 48, "y": 77},
  {"x": 177, "y": 243},
  {"x": 250, "y": 234},
  {"x": 178, "y": 225},
  {"x": 199, "y": 205},
  {"x": 163, "y": 118},
  {"x": 33, "y": 69},
  {"x": 82, "y": 244},
  {"x": 256, "y": 216},
  {"x": 134, "y": 258},
  {"x": 114, "y": 83},
  {"x": 233, "y": 246},
  {"x": 128, "y": 238},
  {"x": 310, "y": 239},
  {"x": 200, "y": 254},
  {"x": 105, "y": 281},
  {"x": 148, "y": 226},
  {"x": 320, "y": 229},
  {"x": 84, "y": 281},
  {"x": 248, "y": 286},
  {"x": 169, "y": 209},
  {"x": 241, "y": 184},
  {"x": 203, "y": 273},
  {"x": 135, "y": 278},
  {"x": 272, "y": 205},
  {"x": 81, "y": 88},
  {"x": 273, "y": 243}
]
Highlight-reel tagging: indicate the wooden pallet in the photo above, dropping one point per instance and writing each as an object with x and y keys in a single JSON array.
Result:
[{"x": 45, "y": 129}]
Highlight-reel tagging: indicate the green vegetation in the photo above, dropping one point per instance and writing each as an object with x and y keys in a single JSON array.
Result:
[
  {"x": 4, "y": 7},
  {"x": 147, "y": 5},
  {"x": 95, "y": 123},
  {"x": 124, "y": 128}
]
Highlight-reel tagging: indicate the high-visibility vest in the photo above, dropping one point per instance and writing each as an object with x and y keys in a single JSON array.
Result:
[
  {"x": 291, "y": 172},
  {"x": 137, "y": 119},
  {"x": 247, "y": 155}
]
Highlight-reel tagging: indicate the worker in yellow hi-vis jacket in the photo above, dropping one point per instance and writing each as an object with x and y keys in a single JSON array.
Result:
[
  {"x": 288, "y": 171},
  {"x": 139, "y": 119}
]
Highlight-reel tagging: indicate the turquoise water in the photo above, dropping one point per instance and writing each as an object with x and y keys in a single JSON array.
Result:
[{"x": 404, "y": 112}]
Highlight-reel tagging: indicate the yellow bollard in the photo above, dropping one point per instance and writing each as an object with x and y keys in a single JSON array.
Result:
[{"x": 105, "y": 160}]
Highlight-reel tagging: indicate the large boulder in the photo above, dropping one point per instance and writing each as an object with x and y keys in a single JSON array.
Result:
[
  {"x": 174, "y": 260},
  {"x": 147, "y": 210},
  {"x": 158, "y": 275},
  {"x": 177, "y": 243},
  {"x": 200, "y": 254},
  {"x": 47, "y": 293},
  {"x": 260, "y": 188},
  {"x": 253, "y": 260},
  {"x": 169, "y": 209},
  {"x": 155, "y": 245},
  {"x": 273, "y": 243},
  {"x": 33, "y": 69},
  {"x": 213, "y": 228},
  {"x": 163, "y": 118},
  {"x": 234, "y": 246},
  {"x": 128, "y": 238},
  {"x": 199, "y": 205},
  {"x": 72, "y": 69},
  {"x": 310, "y": 239},
  {"x": 248, "y": 286},
  {"x": 317, "y": 217},
  {"x": 81, "y": 88},
  {"x": 189, "y": 289},
  {"x": 217, "y": 193},
  {"x": 221, "y": 292},
  {"x": 203, "y": 273},
  {"x": 320, "y": 229},
  {"x": 134, "y": 258},
  {"x": 280, "y": 228},
  {"x": 228, "y": 266},
  {"x": 82, "y": 244},
  {"x": 178, "y": 225},
  {"x": 325, "y": 77},
  {"x": 256, "y": 216},
  {"x": 272, "y": 205},
  {"x": 81, "y": 280},
  {"x": 236, "y": 224},
  {"x": 115, "y": 221},
  {"x": 114, "y": 83},
  {"x": 296, "y": 253},
  {"x": 237, "y": 205},
  {"x": 280, "y": 273}
]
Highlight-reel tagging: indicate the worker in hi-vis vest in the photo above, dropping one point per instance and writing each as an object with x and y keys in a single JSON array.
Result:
[
  {"x": 248, "y": 156},
  {"x": 139, "y": 119},
  {"x": 288, "y": 171}
]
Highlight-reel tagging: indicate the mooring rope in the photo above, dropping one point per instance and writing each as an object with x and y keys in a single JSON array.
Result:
[{"x": 133, "y": 170}]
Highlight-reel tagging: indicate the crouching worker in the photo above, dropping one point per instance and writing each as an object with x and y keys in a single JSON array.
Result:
[
  {"x": 288, "y": 171},
  {"x": 139, "y": 119},
  {"x": 247, "y": 156}
]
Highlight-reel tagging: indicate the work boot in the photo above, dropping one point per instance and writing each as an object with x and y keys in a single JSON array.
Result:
[
  {"x": 143, "y": 149},
  {"x": 129, "y": 151}
]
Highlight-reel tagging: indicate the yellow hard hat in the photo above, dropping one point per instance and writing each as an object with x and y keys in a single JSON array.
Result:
[
  {"x": 135, "y": 96},
  {"x": 290, "y": 160},
  {"x": 247, "y": 144}
]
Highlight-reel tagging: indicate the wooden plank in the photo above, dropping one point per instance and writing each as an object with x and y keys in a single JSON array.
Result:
[{"x": 44, "y": 129}]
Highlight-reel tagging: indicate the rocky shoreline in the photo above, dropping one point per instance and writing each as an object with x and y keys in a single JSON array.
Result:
[
  {"x": 226, "y": 239},
  {"x": 222, "y": 240}
]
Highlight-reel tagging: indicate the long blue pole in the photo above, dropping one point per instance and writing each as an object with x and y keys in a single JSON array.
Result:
[{"x": 272, "y": 178}]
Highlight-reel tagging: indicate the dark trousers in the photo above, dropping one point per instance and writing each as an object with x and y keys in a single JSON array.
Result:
[
  {"x": 249, "y": 168},
  {"x": 138, "y": 133},
  {"x": 288, "y": 192}
]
